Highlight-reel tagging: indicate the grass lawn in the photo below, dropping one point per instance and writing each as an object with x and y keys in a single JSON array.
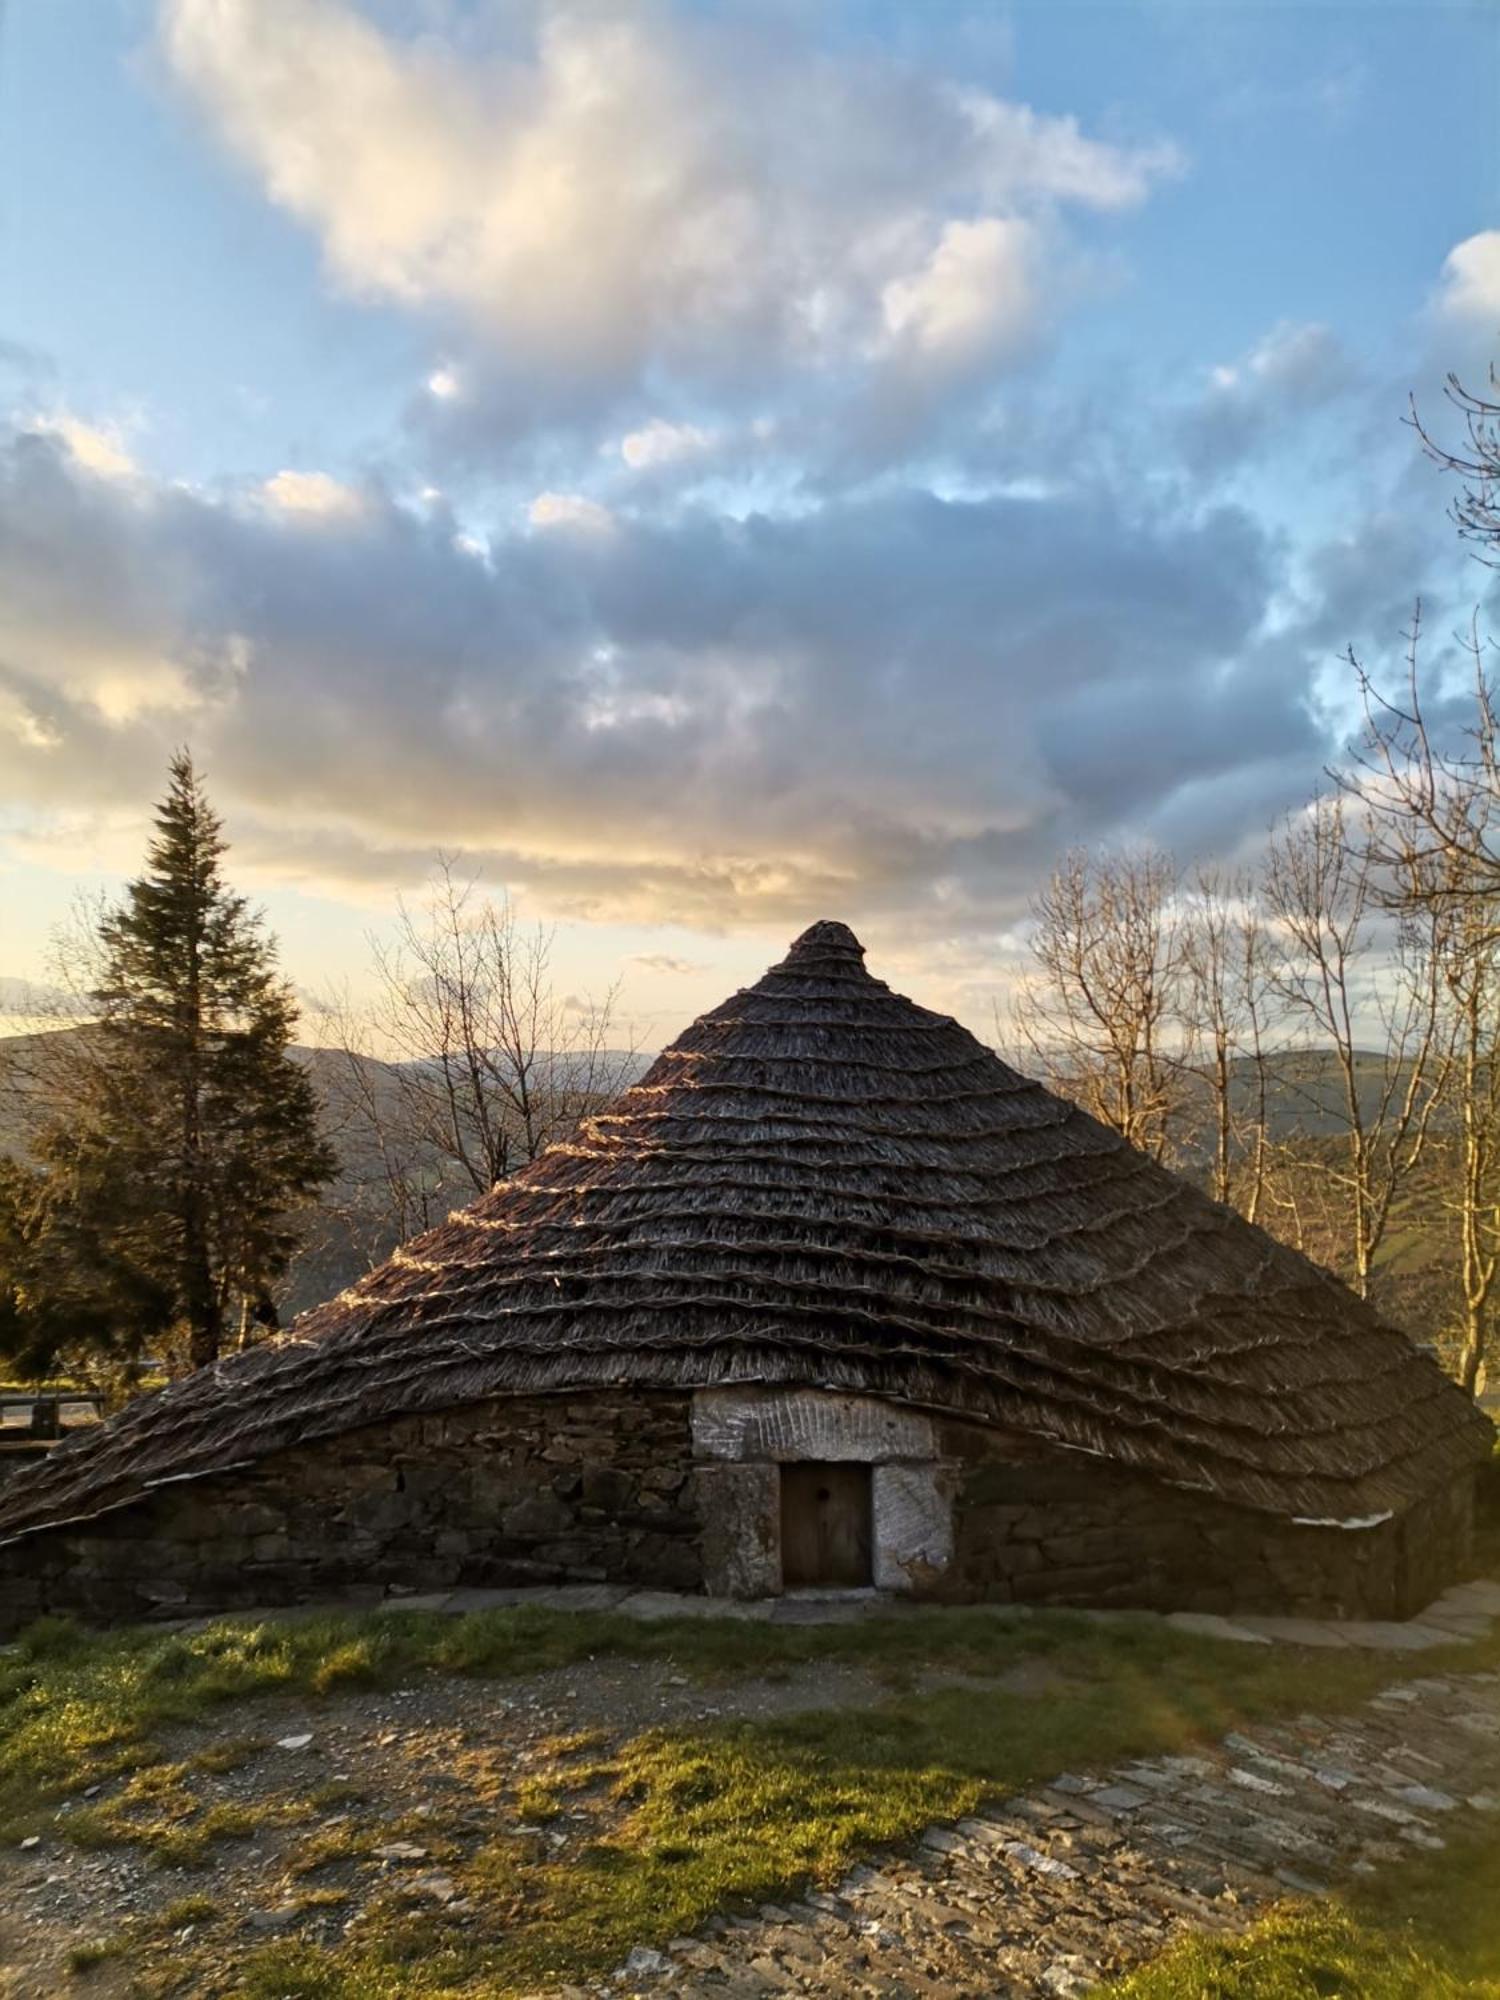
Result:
[
  {"x": 1429, "y": 1931},
  {"x": 676, "y": 1821}
]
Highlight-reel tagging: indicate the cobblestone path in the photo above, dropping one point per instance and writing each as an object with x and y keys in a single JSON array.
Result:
[{"x": 1091, "y": 1875}]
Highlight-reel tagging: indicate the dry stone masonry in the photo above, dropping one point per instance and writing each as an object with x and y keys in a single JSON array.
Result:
[
  {"x": 512, "y": 1491},
  {"x": 680, "y": 1492}
]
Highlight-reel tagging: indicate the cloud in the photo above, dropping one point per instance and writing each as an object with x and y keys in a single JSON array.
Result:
[
  {"x": 666, "y": 962},
  {"x": 312, "y": 493},
  {"x": 660, "y": 443},
  {"x": 98, "y": 600},
  {"x": 1469, "y": 286},
  {"x": 98, "y": 448},
  {"x": 569, "y": 510},
  {"x": 975, "y": 298},
  {"x": 622, "y": 191},
  {"x": 890, "y": 705},
  {"x": 1246, "y": 405}
]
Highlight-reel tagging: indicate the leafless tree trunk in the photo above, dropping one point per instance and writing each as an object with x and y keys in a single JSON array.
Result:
[
  {"x": 1227, "y": 1002},
  {"x": 1347, "y": 986},
  {"x": 468, "y": 1063},
  {"x": 57, "y": 1056},
  {"x": 1472, "y": 973},
  {"x": 1435, "y": 817},
  {"x": 1099, "y": 1015}
]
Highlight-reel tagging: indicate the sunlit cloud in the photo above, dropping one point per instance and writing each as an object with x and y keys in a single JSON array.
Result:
[
  {"x": 1469, "y": 288},
  {"x": 314, "y": 493},
  {"x": 661, "y": 443},
  {"x": 569, "y": 510},
  {"x": 668, "y": 963},
  {"x": 632, "y": 188},
  {"x": 98, "y": 448}
]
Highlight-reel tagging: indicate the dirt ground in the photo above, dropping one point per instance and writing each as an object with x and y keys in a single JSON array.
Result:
[{"x": 436, "y": 1769}]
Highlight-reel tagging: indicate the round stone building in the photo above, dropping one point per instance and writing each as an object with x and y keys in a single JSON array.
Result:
[{"x": 830, "y": 1299}]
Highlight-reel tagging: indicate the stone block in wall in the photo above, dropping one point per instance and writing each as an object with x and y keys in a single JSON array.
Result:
[
  {"x": 425, "y": 1482},
  {"x": 783, "y": 1425},
  {"x": 537, "y": 1516},
  {"x": 1096, "y": 1583},
  {"x": 739, "y": 1507},
  {"x": 669, "y": 1565},
  {"x": 608, "y": 1487},
  {"x": 663, "y": 1479},
  {"x": 1080, "y": 1549},
  {"x": 565, "y": 1555},
  {"x": 912, "y": 1508}
]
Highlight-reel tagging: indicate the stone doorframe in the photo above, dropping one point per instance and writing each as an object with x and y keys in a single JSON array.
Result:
[{"x": 742, "y": 1436}]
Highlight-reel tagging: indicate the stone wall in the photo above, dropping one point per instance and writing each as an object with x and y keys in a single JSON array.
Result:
[
  {"x": 1040, "y": 1527},
  {"x": 513, "y": 1491},
  {"x": 681, "y": 1491}
]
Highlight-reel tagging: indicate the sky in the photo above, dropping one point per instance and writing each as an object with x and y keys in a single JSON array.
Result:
[{"x": 707, "y": 467}]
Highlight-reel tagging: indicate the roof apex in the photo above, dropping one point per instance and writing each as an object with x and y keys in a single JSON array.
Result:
[{"x": 823, "y": 941}]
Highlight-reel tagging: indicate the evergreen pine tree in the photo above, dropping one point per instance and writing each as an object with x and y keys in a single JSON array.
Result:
[
  {"x": 194, "y": 1133},
  {"x": 65, "y": 1303}
]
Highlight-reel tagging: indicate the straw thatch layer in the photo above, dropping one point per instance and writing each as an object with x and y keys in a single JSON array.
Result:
[{"x": 822, "y": 1183}]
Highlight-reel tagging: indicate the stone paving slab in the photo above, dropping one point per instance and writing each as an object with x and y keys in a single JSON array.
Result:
[
  {"x": 1209, "y": 1625},
  {"x": 1297, "y": 1631},
  {"x": 1465, "y": 1612},
  {"x": 1044, "y": 1895}
]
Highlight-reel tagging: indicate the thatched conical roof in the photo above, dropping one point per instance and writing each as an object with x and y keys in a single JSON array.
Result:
[{"x": 821, "y": 1183}]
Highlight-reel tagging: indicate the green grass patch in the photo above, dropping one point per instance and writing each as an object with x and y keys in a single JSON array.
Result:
[
  {"x": 659, "y": 1831},
  {"x": 1429, "y": 1930},
  {"x": 330, "y": 1846},
  {"x": 232, "y": 1755},
  {"x": 80, "y": 1708},
  {"x": 83, "y": 1958},
  {"x": 159, "y": 1811},
  {"x": 188, "y": 1910}
]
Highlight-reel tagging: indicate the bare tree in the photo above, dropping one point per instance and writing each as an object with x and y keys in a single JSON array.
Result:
[
  {"x": 1436, "y": 818},
  {"x": 1476, "y": 460},
  {"x": 1099, "y": 1015},
  {"x": 1407, "y": 780},
  {"x": 1227, "y": 998},
  {"x": 468, "y": 1063},
  {"x": 1368, "y": 994},
  {"x": 1471, "y": 973}
]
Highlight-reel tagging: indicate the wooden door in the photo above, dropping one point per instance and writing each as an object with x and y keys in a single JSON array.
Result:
[{"x": 825, "y": 1526}]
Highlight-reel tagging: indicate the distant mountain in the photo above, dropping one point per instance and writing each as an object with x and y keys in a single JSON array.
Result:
[{"x": 361, "y": 1098}]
